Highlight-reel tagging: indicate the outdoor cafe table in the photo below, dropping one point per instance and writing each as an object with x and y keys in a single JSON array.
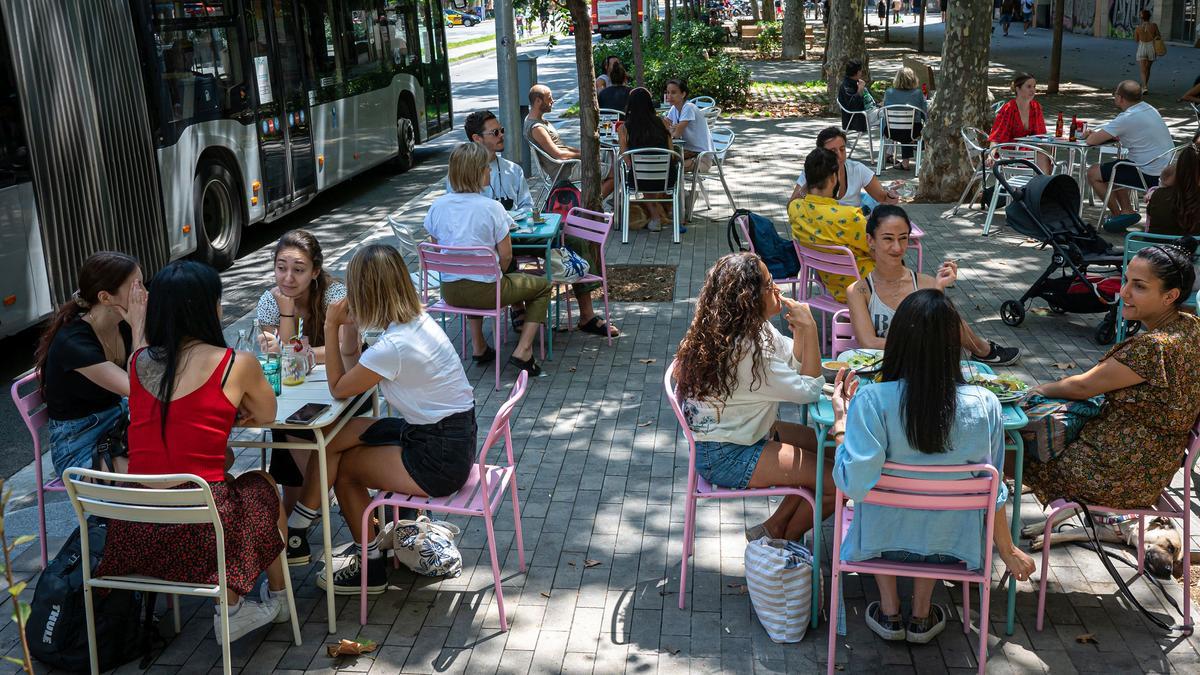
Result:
[
  {"x": 820, "y": 415},
  {"x": 1077, "y": 149},
  {"x": 531, "y": 236},
  {"x": 315, "y": 389}
]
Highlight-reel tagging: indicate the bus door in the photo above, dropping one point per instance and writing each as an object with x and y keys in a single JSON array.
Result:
[
  {"x": 283, "y": 119},
  {"x": 433, "y": 65}
]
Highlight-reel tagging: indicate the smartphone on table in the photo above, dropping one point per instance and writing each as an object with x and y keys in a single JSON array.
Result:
[{"x": 307, "y": 413}]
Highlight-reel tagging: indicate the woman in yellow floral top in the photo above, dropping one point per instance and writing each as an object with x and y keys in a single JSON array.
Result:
[
  {"x": 819, "y": 219},
  {"x": 1128, "y": 453}
]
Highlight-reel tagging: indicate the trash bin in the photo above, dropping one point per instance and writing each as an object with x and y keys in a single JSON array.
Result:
[{"x": 526, "y": 77}]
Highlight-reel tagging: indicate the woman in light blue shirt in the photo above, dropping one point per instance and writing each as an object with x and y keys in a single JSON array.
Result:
[
  {"x": 906, "y": 90},
  {"x": 956, "y": 423}
]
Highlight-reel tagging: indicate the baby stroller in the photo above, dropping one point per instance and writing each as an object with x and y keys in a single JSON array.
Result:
[{"x": 1047, "y": 209}]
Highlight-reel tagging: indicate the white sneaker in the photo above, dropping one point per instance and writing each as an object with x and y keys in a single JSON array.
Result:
[
  {"x": 282, "y": 614},
  {"x": 250, "y": 616},
  {"x": 654, "y": 225}
]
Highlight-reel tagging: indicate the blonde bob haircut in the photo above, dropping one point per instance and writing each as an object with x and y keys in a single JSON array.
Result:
[
  {"x": 905, "y": 79},
  {"x": 379, "y": 289},
  {"x": 468, "y": 163}
]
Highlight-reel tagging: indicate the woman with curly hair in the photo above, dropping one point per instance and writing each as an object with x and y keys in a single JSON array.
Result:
[{"x": 733, "y": 369}]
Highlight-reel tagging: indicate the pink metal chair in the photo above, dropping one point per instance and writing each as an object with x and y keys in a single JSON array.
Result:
[
  {"x": 480, "y": 496},
  {"x": 842, "y": 332},
  {"x": 464, "y": 260},
  {"x": 914, "y": 242},
  {"x": 699, "y": 488},
  {"x": 743, "y": 223},
  {"x": 591, "y": 226},
  {"x": 1167, "y": 506},
  {"x": 927, "y": 494},
  {"x": 34, "y": 414},
  {"x": 829, "y": 259}
]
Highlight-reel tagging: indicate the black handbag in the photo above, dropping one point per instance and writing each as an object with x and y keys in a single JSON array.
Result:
[{"x": 114, "y": 443}]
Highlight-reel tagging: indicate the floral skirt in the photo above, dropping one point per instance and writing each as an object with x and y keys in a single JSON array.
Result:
[{"x": 249, "y": 510}]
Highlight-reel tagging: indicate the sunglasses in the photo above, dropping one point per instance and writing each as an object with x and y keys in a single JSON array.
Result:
[{"x": 495, "y": 132}]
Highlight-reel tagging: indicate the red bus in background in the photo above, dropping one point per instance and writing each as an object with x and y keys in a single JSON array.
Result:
[{"x": 612, "y": 18}]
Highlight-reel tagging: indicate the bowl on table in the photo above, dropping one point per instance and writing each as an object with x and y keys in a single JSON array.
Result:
[{"x": 830, "y": 369}]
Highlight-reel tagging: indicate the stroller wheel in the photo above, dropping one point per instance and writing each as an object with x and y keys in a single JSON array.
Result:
[
  {"x": 1106, "y": 332},
  {"x": 1012, "y": 312}
]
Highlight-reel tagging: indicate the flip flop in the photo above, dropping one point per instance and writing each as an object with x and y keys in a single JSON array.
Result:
[
  {"x": 594, "y": 327},
  {"x": 527, "y": 364}
]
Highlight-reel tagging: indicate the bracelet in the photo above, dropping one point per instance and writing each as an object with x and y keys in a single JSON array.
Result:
[{"x": 287, "y": 316}]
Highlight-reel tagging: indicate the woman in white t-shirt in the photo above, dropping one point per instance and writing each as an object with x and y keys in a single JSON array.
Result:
[
  {"x": 430, "y": 448},
  {"x": 687, "y": 122},
  {"x": 733, "y": 369},
  {"x": 467, "y": 218},
  {"x": 854, "y": 178}
]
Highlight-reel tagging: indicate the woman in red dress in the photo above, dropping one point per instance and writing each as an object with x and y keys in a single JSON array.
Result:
[
  {"x": 1021, "y": 116},
  {"x": 186, "y": 389}
]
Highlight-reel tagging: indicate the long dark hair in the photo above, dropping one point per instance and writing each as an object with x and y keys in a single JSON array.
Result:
[
  {"x": 643, "y": 127},
  {"x": 185, "y": 303},
  {"x": 923, "y": 350},
  {"x": 728, "y": 323},
  {"x": 1187, "y": 188},
  {"x": 1173, "y": 265},
  {"x": 304, "y": 241},
  {"x": 104, "y": 271}
]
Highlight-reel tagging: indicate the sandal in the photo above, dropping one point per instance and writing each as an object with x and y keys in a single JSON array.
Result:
[
  {"x": 596, "y": 326},
  {"x": 518, "y": 318},
  {"x": 526, "y": 364},
  {"x": 486, "y": 357}
]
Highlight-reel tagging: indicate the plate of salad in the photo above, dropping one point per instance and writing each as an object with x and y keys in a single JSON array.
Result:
[
  {"x": 863, "y": 361},
  {"x": 1007, "y": 388}
]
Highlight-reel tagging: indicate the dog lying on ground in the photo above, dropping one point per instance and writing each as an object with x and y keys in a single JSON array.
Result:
[{"x": 1163, "y": 540}]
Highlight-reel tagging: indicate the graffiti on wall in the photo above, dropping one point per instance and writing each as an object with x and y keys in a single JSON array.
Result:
[
  {"x": 1080, "y": 16},
  {"x": 1123, "y": 16}
]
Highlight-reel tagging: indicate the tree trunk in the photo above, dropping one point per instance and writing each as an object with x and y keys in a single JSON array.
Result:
[
  {"x": 755, "y": 12},
  {"x": 887, "y": 24},
  {"x": 921, "y": 29},
  {"x": 667, "y": 26},
  {"x": 636, "y": 34},
  {"x": 793, "y": 29},
  {"x": 768, "y": 10},
  {"x": 961, "y": 100},
  {"x": 589, "y": 110},
  {"x": 1056, "y": 48},
  {"x": 845, "y": 43}
]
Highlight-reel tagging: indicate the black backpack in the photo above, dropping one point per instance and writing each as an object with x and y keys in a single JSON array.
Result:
[
  {"x": 57, "y": 626},
  {"x": 776, "y": 252}
]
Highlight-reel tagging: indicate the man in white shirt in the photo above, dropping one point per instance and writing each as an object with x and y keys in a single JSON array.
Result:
[
  {"x": 1145, "y": 137},
  {"x": 508, "y": 185}
]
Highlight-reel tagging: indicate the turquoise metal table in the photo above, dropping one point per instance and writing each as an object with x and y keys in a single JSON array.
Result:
[
  {"x": 820, "y": 416},
  {"x": 539, "y": 237}
]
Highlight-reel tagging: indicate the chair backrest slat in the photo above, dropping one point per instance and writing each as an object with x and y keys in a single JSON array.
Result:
[
  {"x": 174, "y": 498},
  {"x": 462, "y": 260},
  {"x": 843, "y": 333},
  {"x": 146, "y": 514},
  {"x": 673, "y": 398},
  {"x": 830, "y": 259},
  {"x": 900, "y": 117},
  {"x": 933, "y": 494},
  {"x": 588, "y": 225}
]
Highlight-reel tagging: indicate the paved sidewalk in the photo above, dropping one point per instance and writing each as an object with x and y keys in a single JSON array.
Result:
[{"x": 602, "y": 473}]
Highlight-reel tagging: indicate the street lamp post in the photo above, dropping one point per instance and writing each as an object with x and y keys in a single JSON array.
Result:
[{"x": 506, "y": 79}]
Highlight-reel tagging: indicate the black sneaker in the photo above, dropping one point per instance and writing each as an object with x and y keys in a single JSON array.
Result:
[
  {"x": 886, "y": 627},
  {"x": 298, "y": 552},
  {"x": 348, "y": 579},
  {"x": 1000, "y": 356},
  {"x": 921, "y": 631}
]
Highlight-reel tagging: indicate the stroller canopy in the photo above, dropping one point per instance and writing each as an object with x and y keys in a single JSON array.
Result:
[{"x": 1047, "y": 206}]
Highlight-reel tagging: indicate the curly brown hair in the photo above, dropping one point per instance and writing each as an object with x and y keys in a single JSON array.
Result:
[{"x": 728, "y": 322}]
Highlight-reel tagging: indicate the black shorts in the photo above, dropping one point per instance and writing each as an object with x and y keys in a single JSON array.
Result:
[
  {"x": 1127, "y": 175},
  {"x": 440, "y": 456}
]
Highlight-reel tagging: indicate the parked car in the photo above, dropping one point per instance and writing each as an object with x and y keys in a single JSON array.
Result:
[{"x": 457, "y": 18}]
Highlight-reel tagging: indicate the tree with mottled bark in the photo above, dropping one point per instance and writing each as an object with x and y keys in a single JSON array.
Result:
[
  {"x": 639, "y": 68},
  {"x": 768, "y": 10},
  {"x": 845, "y": 42},
  {"x": 961, "y": 100},
  {"x": 589, "y": 110},
  {"x": 667, "y": 26},
  {"x": 793, "y": 29}
]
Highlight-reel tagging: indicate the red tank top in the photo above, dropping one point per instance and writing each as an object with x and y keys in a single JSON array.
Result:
[{"x": 197, "y": 431}]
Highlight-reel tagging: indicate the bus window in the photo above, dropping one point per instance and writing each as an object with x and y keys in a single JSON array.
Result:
[
  {"x": 14, "y": 153},
  {"x": 365, "y": 38},
  {"x": 322, "y": 49},
  {"x": 201, "y": 74},
  {"x": 399, "y": 18}
]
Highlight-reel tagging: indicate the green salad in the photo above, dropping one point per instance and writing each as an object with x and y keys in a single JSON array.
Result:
[{"x": 1003, "y": 386}]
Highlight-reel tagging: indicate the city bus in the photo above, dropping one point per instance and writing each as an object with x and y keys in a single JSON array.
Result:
[{"x": 162, "y": 128}]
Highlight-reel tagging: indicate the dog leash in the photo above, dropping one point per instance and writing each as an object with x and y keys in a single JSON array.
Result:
[{"x": 1106, "y": 557}]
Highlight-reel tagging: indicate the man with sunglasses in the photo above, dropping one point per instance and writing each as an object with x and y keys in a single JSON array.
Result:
[{"x": 507, "y": 185}]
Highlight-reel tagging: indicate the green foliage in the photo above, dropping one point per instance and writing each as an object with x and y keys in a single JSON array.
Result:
[
  {"x": 696, "y": 57},
  {"x": 769, "y": 41}
]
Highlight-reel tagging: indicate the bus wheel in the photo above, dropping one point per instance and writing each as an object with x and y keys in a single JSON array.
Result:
[
  {"x": 406, "y": 140},
  {"x": 218, "y": 215}
]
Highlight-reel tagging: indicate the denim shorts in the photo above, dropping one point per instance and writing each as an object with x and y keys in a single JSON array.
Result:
[
  {"x": 727, "y": 464},
  {"x": 73, "y": 441},
  {"x": 916, "y": 558}
]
